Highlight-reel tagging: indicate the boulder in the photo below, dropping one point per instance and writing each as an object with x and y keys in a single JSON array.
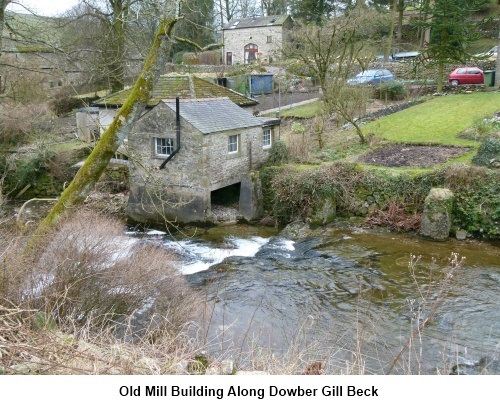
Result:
[
  {"x": 296, "y": 230},
  {"x": 436, "y": 218},
  {"x": 461, "y": 234},
  {"x": 324, "y": 213}
]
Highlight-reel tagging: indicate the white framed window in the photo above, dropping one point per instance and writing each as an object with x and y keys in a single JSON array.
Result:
[
  {"x": 267, "y": 138},
  {"x": 269, "y": 39},
  {"x": 232, "y": 145},
  {"x": 163, "y": 146}
]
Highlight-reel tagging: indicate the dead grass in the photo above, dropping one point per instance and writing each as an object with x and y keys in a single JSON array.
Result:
[
  {"x": 92, "y": 301},
  {"x": 90, "y": 304},
  {"x": 396, "y": 218},
  {"x": 19, "y": 120}
]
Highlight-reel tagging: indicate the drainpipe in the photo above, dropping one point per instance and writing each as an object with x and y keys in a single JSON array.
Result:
[{"x": 178, "y": 133}]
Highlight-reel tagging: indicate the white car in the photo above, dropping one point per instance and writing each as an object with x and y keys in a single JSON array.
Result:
[{"x": 491, "y": 54}]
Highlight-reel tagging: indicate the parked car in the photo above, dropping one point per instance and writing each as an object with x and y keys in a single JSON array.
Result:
[
  {"x": 466, "y": 75},
  {"x": 372, "y": 76},
  {"x": 491, "y": 54}
]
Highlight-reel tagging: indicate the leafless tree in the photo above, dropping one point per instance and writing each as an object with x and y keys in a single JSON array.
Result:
[{"x": 123, "y": 123}]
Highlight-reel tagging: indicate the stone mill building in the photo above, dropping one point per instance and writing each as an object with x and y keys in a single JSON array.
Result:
[{"x": 185, "y": 158}]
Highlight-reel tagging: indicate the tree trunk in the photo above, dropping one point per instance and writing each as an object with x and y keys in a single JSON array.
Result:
[
  {"x": 401, "y": 9},
  {"x": 3, "y": 5},
  {"x": 497, "y": 74},
  {"x": 426, "y": 38},
  {"x": 362, "y": 138},
  {"x": 129, "y": 113},
  {"x": 120, "y": 12},
  {"x": 440, "y": 78},
  {"x": 391, "y": 31}
]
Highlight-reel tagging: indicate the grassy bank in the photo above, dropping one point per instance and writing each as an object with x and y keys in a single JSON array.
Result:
[
  {"x": 438, "y": 121},
  {"x": 320, "y": 194}
]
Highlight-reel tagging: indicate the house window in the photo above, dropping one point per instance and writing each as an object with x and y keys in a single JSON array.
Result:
[
  {"x": 269, "y": 39},
  {"x": 163, "y": 146},
  {"x": 229, "y": 58},
  {"x": 266, "y": 138},
  {"x": 232, "y": 145}
]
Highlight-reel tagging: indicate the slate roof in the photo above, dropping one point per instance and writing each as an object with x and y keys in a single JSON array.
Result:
[
  {"x": 270, "y": 20},
  {"x": 184, "y": 86},
  {"x": 214, "y": 115}
]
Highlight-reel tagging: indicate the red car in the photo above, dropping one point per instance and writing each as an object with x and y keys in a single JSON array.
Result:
[{"x": 466, "y": 75}]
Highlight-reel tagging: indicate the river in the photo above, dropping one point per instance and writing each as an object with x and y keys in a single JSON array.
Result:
[{"x": 346, "y": 296}]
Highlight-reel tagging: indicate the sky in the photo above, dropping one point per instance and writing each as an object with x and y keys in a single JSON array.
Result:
[{"x": 44, "y": 7}]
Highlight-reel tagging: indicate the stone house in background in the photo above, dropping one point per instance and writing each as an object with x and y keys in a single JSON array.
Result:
[
  {"x": 259, "y": 38},
  {"x": 220, "y": 146}
]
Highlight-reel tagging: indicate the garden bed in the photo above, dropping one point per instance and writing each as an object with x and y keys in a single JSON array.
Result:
[{"x": 412, "y": 155}]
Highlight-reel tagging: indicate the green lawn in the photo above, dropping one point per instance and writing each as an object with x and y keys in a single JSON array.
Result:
[
  {"x": 437, "y": 121},
  {"x": 303, "y": 111}
]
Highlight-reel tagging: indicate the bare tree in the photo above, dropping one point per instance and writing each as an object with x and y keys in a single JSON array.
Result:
[
  {"x": 330, "y": 51},
  {"x": 349, "y": 102},
  {"x": 129, "y": 113}
]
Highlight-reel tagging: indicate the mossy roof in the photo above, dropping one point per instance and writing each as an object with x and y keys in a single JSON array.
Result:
[{"x": 184, "y": 86}]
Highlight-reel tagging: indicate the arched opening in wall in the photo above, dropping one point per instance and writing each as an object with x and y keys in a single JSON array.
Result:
[
  {"x": 251, "y": 51},
  {"x": 227, "y": 196},
  {"x": 225, "y": 202}
]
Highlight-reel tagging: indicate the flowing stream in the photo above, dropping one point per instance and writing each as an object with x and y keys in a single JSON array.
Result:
[{"x": 341, "y": 294}]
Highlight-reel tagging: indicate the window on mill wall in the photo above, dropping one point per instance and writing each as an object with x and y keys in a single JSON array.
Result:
[
  {"x": 266, "y": 138},
  {"x": 232, "y": 146},
  {"x": 163, "y": 146}
]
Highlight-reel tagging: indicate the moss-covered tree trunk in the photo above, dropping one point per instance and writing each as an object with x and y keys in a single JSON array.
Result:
[{"x": 129, "y": 113}]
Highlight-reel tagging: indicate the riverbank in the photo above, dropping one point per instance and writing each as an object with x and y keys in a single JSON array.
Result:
[
  {"x": 320, "y": 194},
  {"x": 341, "y": 297}
]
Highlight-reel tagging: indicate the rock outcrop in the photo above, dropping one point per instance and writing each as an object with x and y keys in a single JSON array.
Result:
[{"x": 436, "y": 218}]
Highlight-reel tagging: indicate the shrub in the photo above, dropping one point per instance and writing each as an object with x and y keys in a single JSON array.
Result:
[
  {"x": 297, "y": 192},
  {"x": 190, "y": 58},
  {"x": 392, "y": 90},
  {"x": 210, "y": 58},
  {"x": 19, "y": 120},
  {"x": 63, "y": 103},
  {"x": 488, "y": 153},
  {"x": 91, "y": 274},
  {"x": 177, "y": 58},
  {"x": 477, "y": 199},
  {"x": 278, "y": 154},
  {"x": 24, "y": 172},
  {"x": 298, "y": 68}
]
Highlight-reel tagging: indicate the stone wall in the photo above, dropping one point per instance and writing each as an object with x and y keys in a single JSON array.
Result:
[
  {"x": 407, "y": 71},
  {"x": 235, "y": 41},
  {"x": 181, "y": 191}
]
